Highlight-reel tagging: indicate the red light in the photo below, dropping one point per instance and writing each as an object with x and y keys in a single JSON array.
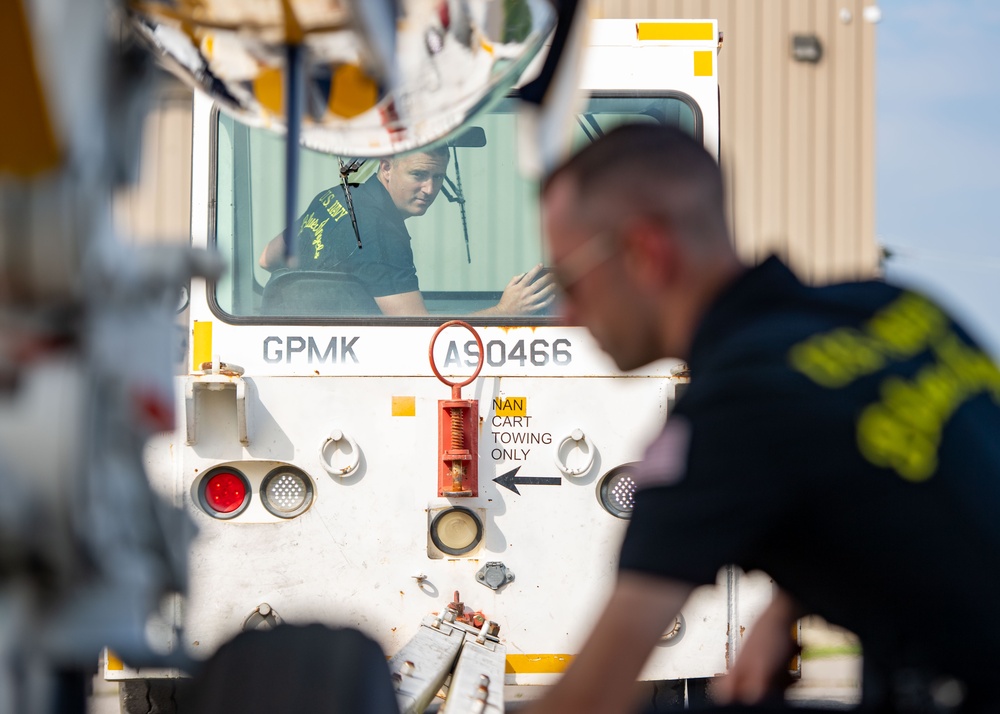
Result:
[{"x": 225, "y": 492}]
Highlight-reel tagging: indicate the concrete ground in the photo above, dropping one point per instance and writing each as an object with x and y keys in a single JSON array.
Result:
[
  {"x": 104, "y": 700},
  {"x": 833, "y": 676}
]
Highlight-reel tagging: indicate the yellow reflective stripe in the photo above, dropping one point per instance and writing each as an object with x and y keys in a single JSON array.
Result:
[
  {"x": 29, "y": 145},
  {"x": 404, "y": 406},
  {"x": 537, "y": 663},
  {"x": 201, "y": 346},
  {"x": 703, "y": 63},
  {"x": 674, "y": 31},
  {"x": 112, "y": 662}
]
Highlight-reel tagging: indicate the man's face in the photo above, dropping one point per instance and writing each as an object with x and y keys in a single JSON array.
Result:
[
  {"x": 599, "y": 293},
  {"x": 413, "y": 181}
]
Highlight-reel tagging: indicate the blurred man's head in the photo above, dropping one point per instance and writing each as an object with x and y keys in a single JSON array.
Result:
[
  {"x": 638, "y": 240},
  {"x": 414, "y": 180}
]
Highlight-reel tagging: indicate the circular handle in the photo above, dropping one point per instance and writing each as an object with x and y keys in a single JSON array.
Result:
[
  {"x": 580, "y": 443},
  {"x": 479, "y": 342},
  {"x": 329, "y": 450}
]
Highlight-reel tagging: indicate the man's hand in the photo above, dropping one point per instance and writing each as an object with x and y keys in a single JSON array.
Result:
[
  {"x": 761, "y": 668},
  {"x": 527, "y": 293},
  {"x": 602, "y": 677}
]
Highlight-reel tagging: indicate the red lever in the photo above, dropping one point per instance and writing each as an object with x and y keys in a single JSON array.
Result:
[{"x": 458, "y": 428}]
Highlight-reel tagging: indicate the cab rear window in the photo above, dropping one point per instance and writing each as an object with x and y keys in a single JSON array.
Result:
[{"x": 472, "y": 226}]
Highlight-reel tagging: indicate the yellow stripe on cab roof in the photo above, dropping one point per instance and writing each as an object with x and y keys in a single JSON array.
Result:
[{"x": 674, "y": 31}]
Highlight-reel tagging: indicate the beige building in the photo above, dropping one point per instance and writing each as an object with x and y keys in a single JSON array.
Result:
[
  {"x": 798, "y": 144},
  {"x": 797, "y": 84},
  {"x": 158, "y": 207}
]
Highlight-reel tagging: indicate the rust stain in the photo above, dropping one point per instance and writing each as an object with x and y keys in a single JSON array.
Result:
[
  {"x": 727, "y": 656},
  {"x": 476, "y": 619},
  {"x": 224, "y": 369},
  {"x": 316, "y": 372},
  {"x": 507, "y": 329},
  {"x": 743, "y": 630}
]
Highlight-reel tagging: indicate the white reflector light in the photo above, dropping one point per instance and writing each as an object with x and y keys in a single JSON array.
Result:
[
  {"x": 616, "y": 491},
  {"x": 286, "y": 492}
]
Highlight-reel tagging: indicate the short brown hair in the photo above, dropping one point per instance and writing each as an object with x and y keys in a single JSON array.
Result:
[{"x": 439, "y": 151}]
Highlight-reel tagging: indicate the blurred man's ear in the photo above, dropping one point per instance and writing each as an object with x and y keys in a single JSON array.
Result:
[
  {"x": 651, "y": 250},
  {"x": 384, "y": 167}
]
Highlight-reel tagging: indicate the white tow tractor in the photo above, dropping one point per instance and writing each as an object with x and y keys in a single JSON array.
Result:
[{"x": 334, "y": 478}]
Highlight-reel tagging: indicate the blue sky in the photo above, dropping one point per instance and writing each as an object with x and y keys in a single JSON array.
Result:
[{"x": 938, "y": 153}]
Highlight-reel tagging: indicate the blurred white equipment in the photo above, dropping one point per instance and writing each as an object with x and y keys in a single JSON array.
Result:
[
  {"x": 378, "y": 77},
  {"x": 89, "y": 554},
  {"x": 88, "y": 551}
]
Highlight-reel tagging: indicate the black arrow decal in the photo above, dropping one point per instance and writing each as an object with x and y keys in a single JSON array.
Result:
[{"x": 511, "y": 481}]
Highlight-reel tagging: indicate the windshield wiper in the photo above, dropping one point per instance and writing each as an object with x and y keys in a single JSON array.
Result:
[
  {"x": 345, "y": 170},
  {"x": 459, "y": 198}
]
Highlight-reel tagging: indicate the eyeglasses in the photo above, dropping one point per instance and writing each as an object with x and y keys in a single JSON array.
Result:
[{"x": 584, "y": 259}]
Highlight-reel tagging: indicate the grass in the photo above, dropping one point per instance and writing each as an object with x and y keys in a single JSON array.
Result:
[{"x": 844, "y": 650}]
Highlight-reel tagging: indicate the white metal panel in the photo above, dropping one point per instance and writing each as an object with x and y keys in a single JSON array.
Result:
[{"x": 351, "y": 559}]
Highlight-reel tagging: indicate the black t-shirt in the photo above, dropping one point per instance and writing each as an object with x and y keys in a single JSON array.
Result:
[
  {"x": 845, "y": 440},
  {"x": 326, "y": 239}
]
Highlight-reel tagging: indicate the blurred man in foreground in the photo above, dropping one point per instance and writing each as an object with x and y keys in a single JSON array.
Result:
[{"x": 841, "y": 439}]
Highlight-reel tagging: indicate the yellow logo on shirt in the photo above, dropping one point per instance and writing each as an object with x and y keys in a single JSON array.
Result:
[
  {"x": 902, "y": 430},
  {"x": 315, "y": 226},
  {"x": 333, "y": 206}
]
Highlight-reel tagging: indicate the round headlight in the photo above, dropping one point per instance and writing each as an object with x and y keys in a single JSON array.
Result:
[
  {"x": 456, "y": 531},
  {"x": 286, "y": 492}
]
